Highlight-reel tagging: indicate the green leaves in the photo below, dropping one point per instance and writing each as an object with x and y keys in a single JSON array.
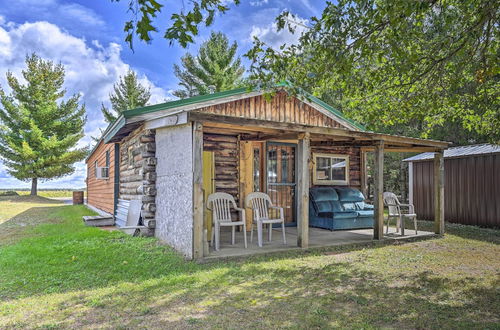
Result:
[
  {"x": 216, "y": 68},
  {"x": 184, "y": 25},
  {"x": 127, "y": 94},
  {"x": 408, "y": 67},
  {"x": 39, "y": 136}
]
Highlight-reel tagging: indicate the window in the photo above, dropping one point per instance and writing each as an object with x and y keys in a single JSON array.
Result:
[
  {"x": 331, "y": 169},
  {"x": 95, "y": 168}
]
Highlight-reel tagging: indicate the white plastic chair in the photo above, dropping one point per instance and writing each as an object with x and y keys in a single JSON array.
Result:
[
  {"x": 260, "y": 204},
  {"x": 220, "y": 204},
  {"x": 399, "y": 211}
]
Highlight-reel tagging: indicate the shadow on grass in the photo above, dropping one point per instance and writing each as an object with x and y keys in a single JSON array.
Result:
[
  {"x": 69, "y": 275},
  {"x": 289, "y": 295},
  {"x": 463, "y": 231}
]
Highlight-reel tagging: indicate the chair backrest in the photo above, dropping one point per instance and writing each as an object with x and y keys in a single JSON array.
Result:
[
  {"x": 392, "y": 203},
  {"x": 220, "y": 203},
  {"x": 259, "y": 202}
]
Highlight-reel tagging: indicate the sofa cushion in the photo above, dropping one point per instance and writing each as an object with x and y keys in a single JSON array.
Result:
[
  {"x": 349, "y": 206},
  {"x": 320, "y": 194},
  {"x": 364, "y": 206},
  {"x": 350, "y": 195},
  {"x": 328, "y": 206},
  {"x": 365, "y": 213},
  {"x": 338, "y": 215}
]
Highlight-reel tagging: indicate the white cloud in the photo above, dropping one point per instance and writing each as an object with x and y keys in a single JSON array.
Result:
[
  {"x": 91, "y": 70},
  {"x": 259, "y": 3},
  {"x": 272, "y": 37},
  {"x": 80, "y": 13},
  {"x": 71, "y": 14},
  {"x": 307, "y": 4}
]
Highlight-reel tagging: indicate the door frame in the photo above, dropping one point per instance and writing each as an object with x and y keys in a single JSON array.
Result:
[{"x": 295, "y": 163}]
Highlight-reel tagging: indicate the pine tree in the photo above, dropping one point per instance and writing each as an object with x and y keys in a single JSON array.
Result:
[
  {"x": 216, "y": 68},
  {"x": 127, "y": 94},
  {"x": 38, "y": 134}
]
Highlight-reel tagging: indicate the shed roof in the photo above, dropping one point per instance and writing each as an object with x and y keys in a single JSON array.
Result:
[{"x": 477, "y": 149}]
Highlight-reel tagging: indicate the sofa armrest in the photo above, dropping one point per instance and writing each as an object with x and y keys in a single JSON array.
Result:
[{"x": 369, "y": 207}]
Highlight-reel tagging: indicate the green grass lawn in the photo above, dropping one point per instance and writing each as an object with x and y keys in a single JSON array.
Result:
[
  {"x": 48, "y": 193},
  {"x": 56, "y": 273}
]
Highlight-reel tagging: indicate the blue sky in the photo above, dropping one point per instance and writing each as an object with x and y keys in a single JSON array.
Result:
[{"x": 87, "y": 37}]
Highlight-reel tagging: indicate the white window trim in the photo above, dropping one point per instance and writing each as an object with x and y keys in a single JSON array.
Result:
[{"x": 331, "y": 182}]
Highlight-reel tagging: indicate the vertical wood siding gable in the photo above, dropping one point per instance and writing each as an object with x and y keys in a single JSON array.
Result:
[{"x": 281, "y": 108}]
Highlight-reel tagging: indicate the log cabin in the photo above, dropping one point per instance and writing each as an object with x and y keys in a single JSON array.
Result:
[{"x": 171, "y": 156}]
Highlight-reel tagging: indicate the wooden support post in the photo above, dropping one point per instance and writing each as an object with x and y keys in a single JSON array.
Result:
[
  {"x": 378, "y": 228},
  {"x": 303, "y": 153},
  {"x": 364, "y": 174},
  {"x": 439, "y": 193},
  {"x": 197, "y": 190},
  {"x": 246, "y": 178}
]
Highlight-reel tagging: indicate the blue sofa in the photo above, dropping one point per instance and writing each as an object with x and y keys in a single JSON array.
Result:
[{"x": 339, "y": 208}]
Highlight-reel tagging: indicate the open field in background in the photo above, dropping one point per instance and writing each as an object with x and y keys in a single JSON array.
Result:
[
  {"x": 57, "y": 273},
  {"x": 49, "y": 193}
]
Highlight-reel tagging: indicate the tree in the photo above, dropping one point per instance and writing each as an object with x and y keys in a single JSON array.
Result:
[
  {"x": 38, "y": 135},
  {"x": 185, "y": 23},
  {"x": 409, "y": 67},
  {"x": 127, "y": 94},
  {"x": 216, "y": 68}
]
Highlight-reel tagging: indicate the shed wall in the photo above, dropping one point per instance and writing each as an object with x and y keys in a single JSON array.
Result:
[
  {"x": 100, "y": 192},
  {"x": 174, "y": 185},
  {"x": 472, "y": 190}
]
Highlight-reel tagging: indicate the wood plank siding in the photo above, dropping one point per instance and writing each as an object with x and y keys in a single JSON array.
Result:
[
  {"x": 280, "y": 108},
  {"x": 472, "y": 190},
  {"x": 100, "y": 192}
]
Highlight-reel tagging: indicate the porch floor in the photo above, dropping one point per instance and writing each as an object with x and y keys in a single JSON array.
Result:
[{"x": 317, "y": 238}]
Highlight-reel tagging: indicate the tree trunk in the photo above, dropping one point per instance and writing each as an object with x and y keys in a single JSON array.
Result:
[{"x": 34, "y": 184}]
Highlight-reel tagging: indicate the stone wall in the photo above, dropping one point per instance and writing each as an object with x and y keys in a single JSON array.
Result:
[
  {"x": 138, "y": 172},
  {"x": 174, "y": 213}
]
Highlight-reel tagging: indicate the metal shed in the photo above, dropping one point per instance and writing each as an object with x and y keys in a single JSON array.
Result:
[{"x": 472, "y": 185}]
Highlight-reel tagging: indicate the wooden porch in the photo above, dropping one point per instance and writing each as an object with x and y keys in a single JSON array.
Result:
[
  {"x": 318, "y": 238},
  {"x": 307, "y": 139}
]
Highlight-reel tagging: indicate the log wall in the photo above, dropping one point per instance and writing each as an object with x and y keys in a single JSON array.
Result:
[
  {"x": 138, "y": 171},
  {"x": 100, "y": 192},
  {"x": 280, "y": 108},
  {"x": 226, "y": 152}
]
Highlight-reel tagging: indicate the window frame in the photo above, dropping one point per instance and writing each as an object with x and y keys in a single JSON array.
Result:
[{"x": 320, "y": 182}]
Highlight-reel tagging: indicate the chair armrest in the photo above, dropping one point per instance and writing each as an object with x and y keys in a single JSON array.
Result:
[
  {"x": 242, "y": 212},
  {"x": 282, "y": 215},
  {"x": 411, "y": 208}
]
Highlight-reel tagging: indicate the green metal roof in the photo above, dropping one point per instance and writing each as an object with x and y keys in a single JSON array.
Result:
[
  {"x": 233, "y": 92},
  {"x": 183, "y": 102}
]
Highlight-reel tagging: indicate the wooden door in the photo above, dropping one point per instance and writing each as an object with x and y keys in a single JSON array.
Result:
[{"x": 280, "y": 175}]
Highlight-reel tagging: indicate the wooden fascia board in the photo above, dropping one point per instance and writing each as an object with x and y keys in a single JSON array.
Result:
[
  {"x": 257, "y": 123},
  {"x": 328, "y": 113}
]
